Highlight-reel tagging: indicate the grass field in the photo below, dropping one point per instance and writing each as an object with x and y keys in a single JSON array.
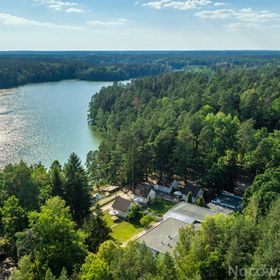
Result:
[
  {"x": 161, "y": 206},
  {"x": 122, "y": 231},
  {"x": 108, "y": 219}
]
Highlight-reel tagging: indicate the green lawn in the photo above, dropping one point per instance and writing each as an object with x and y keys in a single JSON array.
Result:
[
  {"x": 161, "y": 206},
  {"x": 108, "y": 219},
  {"x": 122, "y": 231}
]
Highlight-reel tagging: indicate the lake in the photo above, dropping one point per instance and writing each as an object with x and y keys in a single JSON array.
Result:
[{"x": 48, "y": 121}]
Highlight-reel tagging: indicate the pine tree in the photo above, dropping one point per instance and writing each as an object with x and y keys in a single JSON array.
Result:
[
  {"x": 56, "y": 179},
  {"x": 49, "y": 275},
  {"x": 63, "y": 275},
  {"x": 200, "y": 201},
  {"x": 190, "y": 197},
  {"x": 96, "y": 229},
  {"x": 13, "y": 220},
  {"x": 76, "y": 188}
]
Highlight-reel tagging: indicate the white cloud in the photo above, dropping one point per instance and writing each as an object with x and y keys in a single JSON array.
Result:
[
  {"x": 99, "y": 23},
  {"x": 243, "y": 15},
  {"x": 216, "y": 14},
  {"x": 156, "y": 4},
  {"x": 245, "y": 26},
  {"x": 219, "y": 4},
  {"x": 8, "y": 19},
  {"x": 244, "y": 19},
  {"x": 249, "y": 15},
  {"x": 181, "y": 5},
  {"x": 74, "y": 10},
  {"x": 59, "y": 5}
]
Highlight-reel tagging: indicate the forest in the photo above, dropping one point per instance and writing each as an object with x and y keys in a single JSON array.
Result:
[
  {"x": 19, "y": 68},
  {"x": 213, "y": 124},
  {"x": 17, "y": 71}
]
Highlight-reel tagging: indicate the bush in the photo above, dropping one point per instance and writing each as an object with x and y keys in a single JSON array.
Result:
[
  {"x": 200, "y": 201},
  {"x": 147, "y": 220},
  {"x": 135, "y": 214},
  {"x": 190, "y": 197}
]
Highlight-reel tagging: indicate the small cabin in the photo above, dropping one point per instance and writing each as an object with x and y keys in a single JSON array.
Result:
[{"x": 121, "y": 206}]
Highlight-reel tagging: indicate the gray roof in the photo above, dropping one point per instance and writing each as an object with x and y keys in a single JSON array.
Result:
[
  {"x": 121, "y": 204},
  {"x": 228, "y": 200},
  {"x": 219, "y": 209},
  {"x": 174, "y": 184},
  {"x": 164, "y": 237},
  {"x": 143, "y": 190},
  {"x": 189, "y": 213},
  {"x": 194, "y": 189}
]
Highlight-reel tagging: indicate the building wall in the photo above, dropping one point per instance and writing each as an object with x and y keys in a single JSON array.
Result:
[
  {"x": 194, "y": 199},
  {"x": 152, "y": 196},
  {"x": 122, "y": 214},
  {"x": 163, "y": 189}
]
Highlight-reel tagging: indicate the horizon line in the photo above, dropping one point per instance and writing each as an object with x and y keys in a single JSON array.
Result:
[{"x": 146, "y": 50}]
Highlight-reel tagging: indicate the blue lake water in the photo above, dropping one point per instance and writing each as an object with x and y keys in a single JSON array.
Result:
[{"x": 48, "y": 121}]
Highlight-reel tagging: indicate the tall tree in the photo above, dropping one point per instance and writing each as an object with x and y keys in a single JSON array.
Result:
[
  {"x": 17, "y": 181},
  {"x": 96, "y": 229},
  {"x": 95, "y": 268},
  {"x": 13, "y": 220},
  {"x": 55, "y": 242},
  {"x": 166, "y": 267},
  {"x": 266, "y": 257},
  {"x": 56, "y": 178},
  {"x": 135, "y": 262},
  {"x": 41, "y": 178},
  {"x": 245, "y": 137},
  {"x": 25, "y": 270},
  {"x": 77, "y": 192}
]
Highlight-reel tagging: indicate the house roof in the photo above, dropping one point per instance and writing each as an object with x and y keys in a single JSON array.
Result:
[
  {"x": 193, "y": 188},
  {"x": 219, "y": 208},
  {"x": 111, "y": 188},
  {"x": 174, "y": 184},
  {"x": 143, "y": 190},
  {"x": 228, "y": 200},
  {"x": 164, "y": 237},
  {"x": 189, "y": 213},
  {"x": 121, "y": 204}
]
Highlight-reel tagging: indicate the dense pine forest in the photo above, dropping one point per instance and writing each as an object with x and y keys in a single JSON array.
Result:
[
  {"x": 213, "y": 124},
  {"x": 19, "y": 68},
  {"x": 20, "y": 71}
]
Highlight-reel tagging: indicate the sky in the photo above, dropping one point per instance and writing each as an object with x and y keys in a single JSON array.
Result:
[{"x": 139, "y": 24}]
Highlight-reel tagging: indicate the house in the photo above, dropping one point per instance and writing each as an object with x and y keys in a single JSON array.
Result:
[
  {"x": 145, "y": 192},
  {"x": 163, "y": 189},
  {"x": 195, "y": 190},
  {"x": 230, "y": 201},
  {"x": 164, "y": 237},
  {"x": 122, "y": 207},
  {"x": 219, "y": 209},
  {"x": 166, "y": 187},
  {"x": 188, "y": 213},
  {"x": 174, "y": 185}
]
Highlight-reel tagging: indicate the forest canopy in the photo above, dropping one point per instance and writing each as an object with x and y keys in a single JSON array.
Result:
[
  {"x": 19, "y": 68},
  {"x": 212, "y": 125}
]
